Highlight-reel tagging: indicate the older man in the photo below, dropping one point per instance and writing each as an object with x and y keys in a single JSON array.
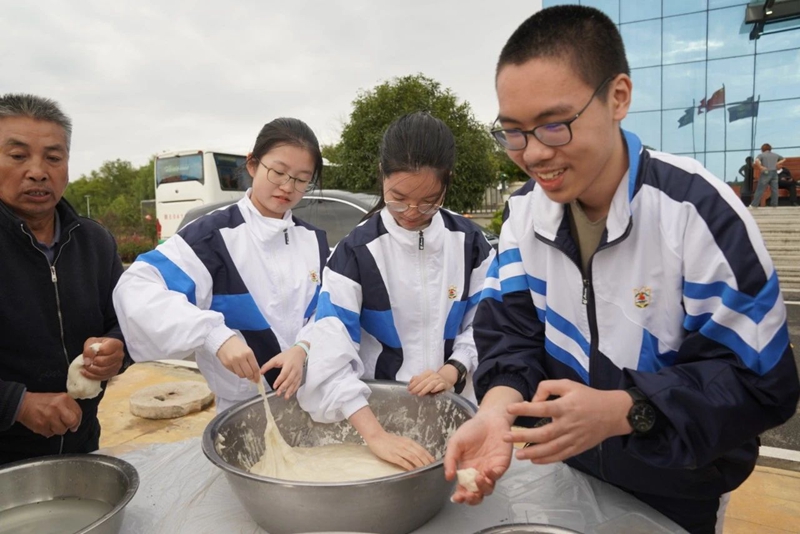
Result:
[{"x": 57, "y": 272}]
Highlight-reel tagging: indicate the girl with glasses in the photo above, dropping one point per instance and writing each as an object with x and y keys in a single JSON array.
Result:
[
  {"x": 239, "y": 286},
  {"x": 399, "y": 293}
]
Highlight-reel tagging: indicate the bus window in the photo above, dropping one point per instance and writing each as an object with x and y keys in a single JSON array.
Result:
[
  {"x": 233, "y": 175},
  {"x": 179, "y": 169}
]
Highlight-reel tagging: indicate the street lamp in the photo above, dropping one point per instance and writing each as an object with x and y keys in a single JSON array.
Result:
[{"x": 88, "y": 206}]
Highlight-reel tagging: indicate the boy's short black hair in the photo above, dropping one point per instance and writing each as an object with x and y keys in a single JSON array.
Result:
[{"x": 583, "y": 36}]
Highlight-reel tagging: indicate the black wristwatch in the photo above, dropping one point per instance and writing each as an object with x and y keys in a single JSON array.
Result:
[
  {"x": 642, "y": 415},
  {"x": 461, "y": 382}
]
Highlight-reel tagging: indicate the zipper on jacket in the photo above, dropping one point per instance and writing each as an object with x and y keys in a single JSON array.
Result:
[
  {"x": 585, "y": 296},
  {"x": 286, "y": 235},
  {"x": 425, "y": 303},
  {"x": 54, "y": 279}
]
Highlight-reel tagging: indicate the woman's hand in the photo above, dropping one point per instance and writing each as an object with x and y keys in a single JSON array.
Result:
[
  {"x": 432, "y": 382},
  {"x": 399, "y": 450},
  {"x": 290, "y": 362},
  {"x": 239, "y": 359}
]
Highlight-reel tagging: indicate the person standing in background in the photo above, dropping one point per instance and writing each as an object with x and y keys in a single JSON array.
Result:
[{"x": 768, "y": 161}]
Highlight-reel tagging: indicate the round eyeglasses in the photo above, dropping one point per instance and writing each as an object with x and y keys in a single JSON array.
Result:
[
  {"x": 551, "y": 134},
  {"x": 400, "y": 207},
  {"x": 280, "y": 178}
]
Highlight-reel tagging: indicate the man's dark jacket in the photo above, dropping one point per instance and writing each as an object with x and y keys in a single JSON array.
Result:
[{"x": 46, "y": 314}]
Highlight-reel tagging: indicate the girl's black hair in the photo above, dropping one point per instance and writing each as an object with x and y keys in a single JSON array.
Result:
[
  {"x": 413, "y": 142},
  {"x": 289, "y": 131}
]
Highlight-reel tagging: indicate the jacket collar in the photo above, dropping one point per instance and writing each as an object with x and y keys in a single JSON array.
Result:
[
  {"x": 410, "y": 238},
  {"x": 264, "y": 228},
  {"x": 68, "y": 217},
  {"x": 548, "y": 216}
]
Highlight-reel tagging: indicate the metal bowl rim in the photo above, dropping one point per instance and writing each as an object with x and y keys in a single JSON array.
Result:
[
  {"x": 496, "y": 529},
  {"x": 128, "y": 470},
  {"x": 210, "y": 450}
]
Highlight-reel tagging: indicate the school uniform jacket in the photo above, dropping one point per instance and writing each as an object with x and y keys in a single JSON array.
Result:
[
  {"x": 394, "y": 303},
  {"x": 231, "y": 272},
  {"x": 681, "y": 301}
]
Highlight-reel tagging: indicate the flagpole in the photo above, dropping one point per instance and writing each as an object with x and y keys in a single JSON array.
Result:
[
  {"x": 694, "y": 148},
  {"x": 725, "y": 135},
  {"x": 755, "y": 129}
]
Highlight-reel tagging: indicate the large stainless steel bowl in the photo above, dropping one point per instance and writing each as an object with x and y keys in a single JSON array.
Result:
[
  {"x": 81, "y": 493},
  {"x": 395, "y": 504}
]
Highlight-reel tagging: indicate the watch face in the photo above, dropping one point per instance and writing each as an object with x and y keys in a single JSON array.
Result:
[{"x": 642, "y": 417}]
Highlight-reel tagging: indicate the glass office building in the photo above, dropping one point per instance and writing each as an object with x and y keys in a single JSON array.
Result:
[{"x": 702, "y": 87}]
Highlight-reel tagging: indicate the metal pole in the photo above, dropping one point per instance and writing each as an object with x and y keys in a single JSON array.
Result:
[{"x": 88, "y": 206}]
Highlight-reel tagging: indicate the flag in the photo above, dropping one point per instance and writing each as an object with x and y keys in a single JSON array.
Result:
[
  {"x": 717, "y": 100},
  {"x": 743, "y": 110},
  {"x": 687, "y": 118}
]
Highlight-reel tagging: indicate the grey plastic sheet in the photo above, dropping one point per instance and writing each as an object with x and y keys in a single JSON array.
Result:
[{"x": 182, "y": 492}]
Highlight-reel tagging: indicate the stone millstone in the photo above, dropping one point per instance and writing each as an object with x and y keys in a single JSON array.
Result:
[{"x": 170, "y": 400}]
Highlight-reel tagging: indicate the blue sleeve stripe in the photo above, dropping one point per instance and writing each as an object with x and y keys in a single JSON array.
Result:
[
  {"x": 175, "y": 278},
  {"x": 568, "y": 329},
  {"x": 513, "y": 284},
  {"x": 759, "y": 362},
  {"x": 507, "y": 257},
  {"x": 566, "y": 358},
  {"x": 240, "y": 311},
  {"x": 312, "y": 306},
  {"x": 381, "y": 325},
  {"x": 454, "y": 319},
  {"x": 474, "y": 300},
  {"x": 650, "y": 360},
  {"x": 537, "y": 286},
  {"x": 491, "y": 293},
  {"x": 754, "y": 308},
  {"x": 540, "y": 314},
  {"x": 325, "y": 308}
]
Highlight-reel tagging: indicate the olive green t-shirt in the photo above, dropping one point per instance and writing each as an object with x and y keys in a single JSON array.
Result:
[{"x": 587, "y": 234}]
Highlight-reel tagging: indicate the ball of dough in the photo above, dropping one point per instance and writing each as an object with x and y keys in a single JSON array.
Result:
[
  {"x": 466, "y": 478},
  {"x": 78, "y": 386}
]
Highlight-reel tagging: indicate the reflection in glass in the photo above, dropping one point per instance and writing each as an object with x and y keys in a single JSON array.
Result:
[
  {"x": 642, "y": 43},
  {"x": 727, "y": 35},
  {"x": 715, "y": 163},
  {"x": 633, "y": 10},
  {"x": 680, "y": 7},
  {"x": 685, "y": 38},
  {"x": 771, "y": 42},
  {"x": 778, "y": 75},
  {"x": 609, "y": 7},
  {"x": 736, "y": 74},
  {"x": 646, "y": 89},
  {"x": 684, "y": 84},
  {"x": 645, "y": 125},
  {"x": 712, "y": 4},
  {"x": 687, "y": 139},
  {"x": 777, "y": 125}
]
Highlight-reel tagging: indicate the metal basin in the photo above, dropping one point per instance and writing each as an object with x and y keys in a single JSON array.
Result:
[
  {"x": 396, "y": 504},
  {"x": 75, "y": 493},
  {"x": 519, "y": 528}
]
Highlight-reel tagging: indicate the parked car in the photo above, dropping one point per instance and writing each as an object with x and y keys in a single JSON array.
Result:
[{"x": 335, "y": 211}]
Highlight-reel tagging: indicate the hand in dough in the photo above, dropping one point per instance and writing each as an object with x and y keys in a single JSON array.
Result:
[
  {"x": 290, "y": 362},
  {"x": 102, "y": 362},
  {"x": 78, "y": 386}
]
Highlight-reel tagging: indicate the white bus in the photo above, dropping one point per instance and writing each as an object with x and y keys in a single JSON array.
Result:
[{"x": 189, "y": 178}]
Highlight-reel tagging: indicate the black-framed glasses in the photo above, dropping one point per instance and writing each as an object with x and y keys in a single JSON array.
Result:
[
  {"x": 280, "y": 178},
  {"x": 550, "y": 134}
]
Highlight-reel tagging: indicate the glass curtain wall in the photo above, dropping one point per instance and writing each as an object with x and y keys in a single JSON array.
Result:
[{"x": 702, "y": 88}]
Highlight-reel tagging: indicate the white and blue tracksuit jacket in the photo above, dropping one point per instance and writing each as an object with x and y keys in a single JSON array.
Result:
[
  {"x": 231, "y": 272},
  {"x": 394, "y": 303},
  {"x": 681, "y": 301}
]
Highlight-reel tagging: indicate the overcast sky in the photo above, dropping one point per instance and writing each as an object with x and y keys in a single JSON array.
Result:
[{"x": 141, "y": 77}]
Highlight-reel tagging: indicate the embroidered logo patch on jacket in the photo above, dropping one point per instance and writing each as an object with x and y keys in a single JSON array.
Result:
[{"x": 641, "y": 297}]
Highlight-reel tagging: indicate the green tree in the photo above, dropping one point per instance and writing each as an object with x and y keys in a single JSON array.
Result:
[{"x": 356, "y": 155}]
